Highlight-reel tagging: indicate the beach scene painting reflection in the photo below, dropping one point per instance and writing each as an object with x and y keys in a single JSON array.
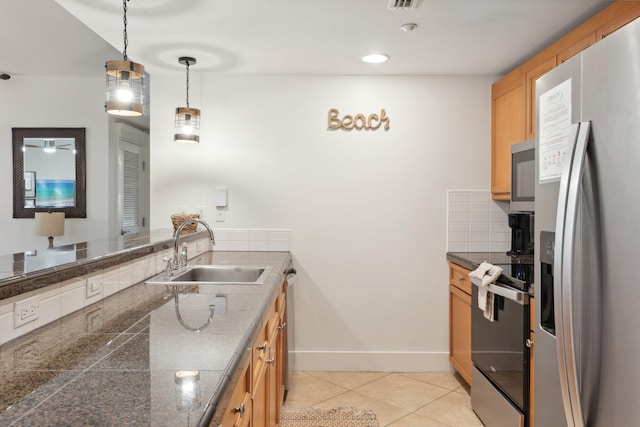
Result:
[
  {"x": 54, "y": 163},
  {"x": 55, "y": 193}
]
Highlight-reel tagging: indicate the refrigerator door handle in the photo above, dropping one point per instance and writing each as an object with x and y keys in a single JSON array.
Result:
[{"x": 563, "y": 270}]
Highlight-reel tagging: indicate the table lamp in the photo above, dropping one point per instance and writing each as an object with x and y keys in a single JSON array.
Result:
[{"x": 50, "y": 224}]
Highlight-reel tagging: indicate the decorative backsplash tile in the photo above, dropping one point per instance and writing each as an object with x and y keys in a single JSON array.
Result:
[
  {"x": 271, "y": 240},
  {"x": 475, "y": 223}
]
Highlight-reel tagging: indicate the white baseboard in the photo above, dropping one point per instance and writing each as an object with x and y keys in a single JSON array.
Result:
[{"x": 354, "y": 361}]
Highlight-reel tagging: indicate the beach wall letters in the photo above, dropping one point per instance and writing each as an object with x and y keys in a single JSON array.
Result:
[{"x": 359, "y": 121}]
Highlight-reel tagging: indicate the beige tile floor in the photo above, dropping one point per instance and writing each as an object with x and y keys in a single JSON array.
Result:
[{"x": 398, "y": 399}]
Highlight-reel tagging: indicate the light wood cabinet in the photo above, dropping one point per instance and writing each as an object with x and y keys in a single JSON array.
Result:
[
  {"x": 513, "y": 98},
  {"x": 539, "y": 70},
  {"x": 257, "y": 398},
  {"x": 238, "y": 412},
  {"x": 507, "y": 128},
  {"x": 623, "y": 13},
  {"x": 270, "y": 364},
  {"x": 460, "y": 321},
  {"x": 577, "y": 47}
]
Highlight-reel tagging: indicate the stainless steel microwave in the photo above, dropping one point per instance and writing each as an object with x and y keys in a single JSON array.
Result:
[{"x": 523, "y": 175}]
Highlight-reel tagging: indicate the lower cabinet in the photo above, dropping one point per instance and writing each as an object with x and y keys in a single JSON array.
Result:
[
  {"x": 257, "y": 398},
  {"x": 460, "y": 321}
]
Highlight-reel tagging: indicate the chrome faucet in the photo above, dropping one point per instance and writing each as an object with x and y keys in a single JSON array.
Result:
[{"x": 181, "y": 259}]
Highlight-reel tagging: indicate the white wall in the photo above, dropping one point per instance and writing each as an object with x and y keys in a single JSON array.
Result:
[
  {"x": 367, "y": 209},
  {"x": 55, "y": 102}
]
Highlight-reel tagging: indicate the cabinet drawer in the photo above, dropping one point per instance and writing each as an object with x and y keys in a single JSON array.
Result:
[
  {"x": 239, "y": 409},
  {"x": 260, "y": 351},
  {"x": 459, "y": 277},
  {"x": 282, "y": 297}
]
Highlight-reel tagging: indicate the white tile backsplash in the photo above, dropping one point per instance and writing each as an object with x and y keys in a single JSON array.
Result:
[
  {"x": 475, "y": 223},
  {"x": 252, "y": 240}
]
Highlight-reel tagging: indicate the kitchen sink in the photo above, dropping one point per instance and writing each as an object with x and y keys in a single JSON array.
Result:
[{"x": 214, "y": 275}]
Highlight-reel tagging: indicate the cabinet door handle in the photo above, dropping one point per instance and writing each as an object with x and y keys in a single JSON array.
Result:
[
  {"x": 239, "y": 409},
  {"x": 262, "y": 347},
  {"x": 271, "y": 361},
  {"x": 529, "y": 343},
  {"x": 283, "y": 326}
]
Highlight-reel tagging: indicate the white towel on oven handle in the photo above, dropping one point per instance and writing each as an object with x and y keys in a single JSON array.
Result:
[
  {"x": 483, "y": 276},
  {"x": 487, "y": 273}
]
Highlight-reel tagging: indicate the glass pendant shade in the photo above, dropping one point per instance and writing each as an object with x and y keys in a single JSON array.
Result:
[
  {"x": 187, "y": 125},
  {"x": 125, "y": 88}
]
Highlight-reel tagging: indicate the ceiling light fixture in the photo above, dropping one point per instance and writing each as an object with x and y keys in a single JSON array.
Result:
[
  {"x": 125, "y": 82},
  {"x": 407, "y": 28},
  {"x": 49, "y": 146},
  {"x": 187, "y": 118},
  {"x": 375, "y": 58}
]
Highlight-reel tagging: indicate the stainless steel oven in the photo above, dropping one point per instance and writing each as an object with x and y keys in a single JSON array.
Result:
[{"x": 500, "y": 377}]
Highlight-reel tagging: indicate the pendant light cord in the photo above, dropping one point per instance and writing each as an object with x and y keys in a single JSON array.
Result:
[
  {"x": 124, "y": 32},
  {"x": 187, "y": 84}
]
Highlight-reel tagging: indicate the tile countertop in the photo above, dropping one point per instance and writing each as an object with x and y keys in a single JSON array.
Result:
[{"x": 115, "y": 362}]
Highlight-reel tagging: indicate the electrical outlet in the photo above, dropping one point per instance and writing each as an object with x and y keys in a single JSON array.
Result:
[
  {"x": 202, "y": 211},
  {"x": 26, "y": 311},
  {"x": 94, "y": 286}
]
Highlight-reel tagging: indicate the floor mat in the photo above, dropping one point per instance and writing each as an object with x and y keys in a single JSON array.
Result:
[{"x": 335, "y": 417}]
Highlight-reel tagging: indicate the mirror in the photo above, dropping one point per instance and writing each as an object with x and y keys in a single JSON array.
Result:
[{"x": 49, "y": 171}]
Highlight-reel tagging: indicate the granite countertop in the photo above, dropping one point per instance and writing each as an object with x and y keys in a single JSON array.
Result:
[
  {"x": 28, "y": 271},
  {"x": 513, "y": 271},
  {"x": 471, "y": 260},
  {"x": 117, "y": 362}
]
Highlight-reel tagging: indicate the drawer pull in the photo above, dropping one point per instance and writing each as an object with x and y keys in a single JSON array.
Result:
[
  {"x": 461, "y": 278},
  {"x": 529, "y": 343},
  {"x": 239, "y": 409},
  {"x": 283, "y": 326},
  {"x": 271, "y": 361},
  {"x": 262, "y": 347}
]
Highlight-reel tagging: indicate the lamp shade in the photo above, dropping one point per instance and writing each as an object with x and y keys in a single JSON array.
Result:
[
  {"x": 187, "y": 125},
  {"x": 49, "y": 223},
  {"x": 125, "y": 88}
]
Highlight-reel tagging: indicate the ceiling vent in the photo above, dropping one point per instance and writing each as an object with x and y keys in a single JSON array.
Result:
[{"x": 403, "y": 4}]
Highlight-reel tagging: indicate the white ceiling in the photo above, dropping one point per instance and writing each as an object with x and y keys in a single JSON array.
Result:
[{"x": 453, "y": 37}]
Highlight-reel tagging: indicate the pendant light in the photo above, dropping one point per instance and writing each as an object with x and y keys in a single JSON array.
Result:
[
  {"x": 125, "y": 82},
  {"x": 187, "y": 119}
]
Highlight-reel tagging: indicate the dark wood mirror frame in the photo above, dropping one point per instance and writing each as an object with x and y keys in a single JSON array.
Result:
[{"x": 19, "y": 210}]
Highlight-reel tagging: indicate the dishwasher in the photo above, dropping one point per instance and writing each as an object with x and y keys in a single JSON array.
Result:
[{"x": 290, "y": 276}]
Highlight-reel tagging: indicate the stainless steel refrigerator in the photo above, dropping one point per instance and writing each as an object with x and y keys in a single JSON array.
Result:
[{"x": 587, "y": 264}]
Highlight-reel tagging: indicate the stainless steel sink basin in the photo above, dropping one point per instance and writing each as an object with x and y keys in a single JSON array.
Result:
[{"x": 215, "y": 275}]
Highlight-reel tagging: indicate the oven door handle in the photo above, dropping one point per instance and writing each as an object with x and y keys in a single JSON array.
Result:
[{"x": 519, "y": 297}]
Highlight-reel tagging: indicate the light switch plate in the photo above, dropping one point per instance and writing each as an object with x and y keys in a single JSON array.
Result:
[{"x": 221, "y": 197}]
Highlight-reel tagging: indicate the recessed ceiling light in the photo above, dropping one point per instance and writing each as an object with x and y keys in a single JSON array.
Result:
[{"x": 375, "y": 58}]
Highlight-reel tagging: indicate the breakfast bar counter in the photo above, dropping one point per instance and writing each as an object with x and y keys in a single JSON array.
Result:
[{"x": 139, "y": 356}]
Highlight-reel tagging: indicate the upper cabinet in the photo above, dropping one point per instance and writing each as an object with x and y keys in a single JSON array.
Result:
[
  {"x": 513, "y": 98},
  {"x": 507, "y": 127}
]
